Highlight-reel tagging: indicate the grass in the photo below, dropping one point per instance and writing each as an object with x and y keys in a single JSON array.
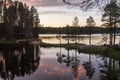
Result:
[{"x": 107, "y": 51}]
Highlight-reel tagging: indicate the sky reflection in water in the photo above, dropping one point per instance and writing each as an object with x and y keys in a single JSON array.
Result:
[
  {"x": 67, "y": 65},
  {"x": 50, "y": 69},
  {"x": 97, "y": 39},
  {"x": 71, "y": 65}
]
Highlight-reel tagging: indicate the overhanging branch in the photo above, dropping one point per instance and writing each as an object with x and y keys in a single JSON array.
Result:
[{"x": 90, "y": 4}]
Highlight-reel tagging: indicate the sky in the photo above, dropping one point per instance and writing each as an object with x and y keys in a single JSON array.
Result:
[{"x": 55, "y": 13}]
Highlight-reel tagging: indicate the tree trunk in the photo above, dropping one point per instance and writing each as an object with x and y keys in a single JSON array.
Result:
[{"x": 111, "y": 36}]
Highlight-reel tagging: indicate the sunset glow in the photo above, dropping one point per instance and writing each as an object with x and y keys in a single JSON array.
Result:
[{"x": 55, "y": 13}]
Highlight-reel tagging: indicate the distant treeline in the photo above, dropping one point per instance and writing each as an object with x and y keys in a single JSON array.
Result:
[{"x": 74, "y": 30}]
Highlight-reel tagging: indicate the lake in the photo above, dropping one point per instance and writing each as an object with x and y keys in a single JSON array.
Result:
[
  {"x": 97, "y": 39},
  {"x": 32, "y": 62}
]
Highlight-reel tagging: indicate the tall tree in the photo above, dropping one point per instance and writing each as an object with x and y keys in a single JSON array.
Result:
[
  {"x": 112, "y": 17},
  {"x": 20, "y": 15},
  {"x": 9, "y": 17},
  {"x": 1, "y": 2},
  {"x": 36, "y": 19},
  {"x": 68, "y": 33},
  {"x": 90, "y": 23},
  {"x": 75, "y": 22}
]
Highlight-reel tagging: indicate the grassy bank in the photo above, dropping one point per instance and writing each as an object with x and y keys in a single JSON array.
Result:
[{"x": 108, "y": 51}]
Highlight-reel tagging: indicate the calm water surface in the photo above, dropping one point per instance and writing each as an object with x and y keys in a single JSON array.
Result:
[
  {"x": 97, "y": 39},
  {"x": 70, "y": 65},
  {"x": 33, "y": 62}
]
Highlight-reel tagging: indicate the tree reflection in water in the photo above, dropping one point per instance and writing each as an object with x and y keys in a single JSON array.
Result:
[
  {"x": 70, "y": 61},
  {"x": 110, "y": 69},
  {"x": 18, "y": 60},
  {"x": 74, "y": 61},
  {"x": 88, "y": 67}
]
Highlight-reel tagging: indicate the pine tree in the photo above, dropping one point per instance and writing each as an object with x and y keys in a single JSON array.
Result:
[
  {"x": 75, "y": 21},
  {"x": 111, "y": 18},
  {"x": 17, "y": 16},
  {"x": 90, "y": 23}
]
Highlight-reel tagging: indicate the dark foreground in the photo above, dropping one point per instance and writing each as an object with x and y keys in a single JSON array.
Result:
[{"x": 32, "y": 62}]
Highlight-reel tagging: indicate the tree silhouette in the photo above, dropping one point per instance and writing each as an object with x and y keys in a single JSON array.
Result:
[
  {"x": 75, "y": 21},
  {"x": 68, "y": 34},
  {"x": 90, "y": 23},
  {"x": 109, "y": 69},
  {"x": 111, "y": 17},
  {"x": 90, "y": 4},
  {"x": 23, "y": 63},
  {"x": 19, "y": 19},
  {"x": 75, "y": 24},
  {"x": 70, "y": 61}
]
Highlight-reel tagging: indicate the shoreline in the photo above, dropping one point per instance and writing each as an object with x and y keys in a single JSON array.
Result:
[{"x": 104, "y": 50}]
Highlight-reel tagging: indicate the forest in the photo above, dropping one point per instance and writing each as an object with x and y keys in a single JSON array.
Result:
[
  {"x": 73, "y": 30},
  {"x": 17, "y": 20}
]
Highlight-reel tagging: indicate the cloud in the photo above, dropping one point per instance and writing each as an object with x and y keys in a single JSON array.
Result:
[
  {"x": 52, "y": 12},
  {"x": 56, "y": 10},
  {"x": 30, "y": 2},
  {"x": 44, "y": 3},
  {"x": 48, "y": 3}
]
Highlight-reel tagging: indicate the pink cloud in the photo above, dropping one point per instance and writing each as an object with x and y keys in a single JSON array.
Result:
[
  {"x": 44, "y": 3},
  {"x": 30, "y": 2}
]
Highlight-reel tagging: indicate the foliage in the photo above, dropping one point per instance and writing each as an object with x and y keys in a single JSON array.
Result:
[
  {"x": 16, "y": 16},
  {"x": 35, "y": 32},
  {"x": 75, "y": 21},
  {"x": 111, "y": 17},
  {"x": 73, "y": 30},
  {"x": 111, "y": 14},
  {"x": 90, "y": 22},
  {"x": 104, "y": 51},
  {"x": 89, "y": 4}
]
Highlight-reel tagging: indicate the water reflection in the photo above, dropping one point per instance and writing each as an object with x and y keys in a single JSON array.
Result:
[
  {"x": 74, "y": 62},
  {"x": 110, "y": 69},
  {"x": 18, "y": 60},
  {"x": 55, "y": 63},
  {"x": 97, "y": 39},
  {"x": 71, "y": 61},
  {"x": 89, "y": 68},
  {"x": 71, "y": 65},
  {"x": 95, "y": 67}
]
